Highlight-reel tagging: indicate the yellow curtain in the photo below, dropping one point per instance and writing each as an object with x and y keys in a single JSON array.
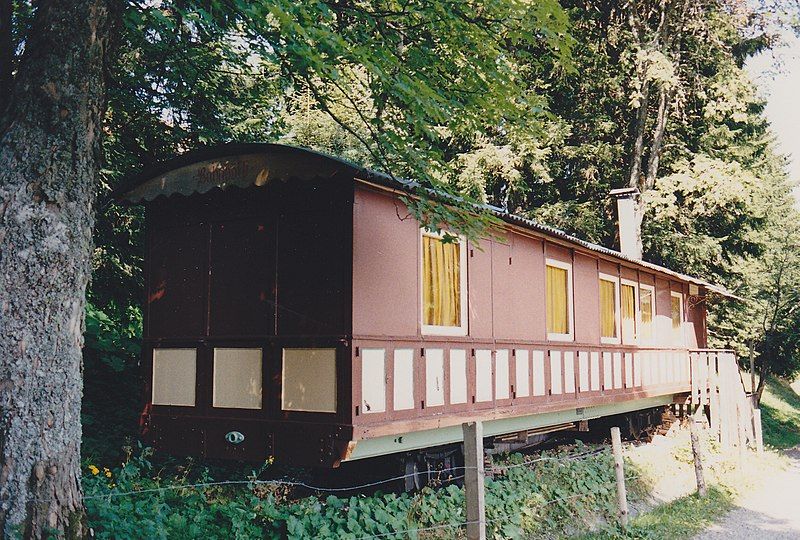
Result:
[
  {"x": 676, "y": 312},
  {"x": 608, "y": 309},
  {"x": 441, "y": 282},
  {"x": 628, "y": 301},
  {"x": 556, "y": 301},
  {"x": 646, "y": 305}
]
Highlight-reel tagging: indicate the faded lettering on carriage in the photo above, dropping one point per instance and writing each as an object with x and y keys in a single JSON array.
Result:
[{"x": 219, "y": 173}]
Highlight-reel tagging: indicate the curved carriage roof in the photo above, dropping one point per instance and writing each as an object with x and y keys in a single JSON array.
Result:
[{"x": 248, "y": 164}]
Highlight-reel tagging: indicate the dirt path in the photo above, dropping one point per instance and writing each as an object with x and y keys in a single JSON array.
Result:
[{"x": 771, "y": 511}]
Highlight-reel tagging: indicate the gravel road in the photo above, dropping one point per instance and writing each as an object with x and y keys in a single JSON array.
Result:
[{"x": 771, "y": 511}]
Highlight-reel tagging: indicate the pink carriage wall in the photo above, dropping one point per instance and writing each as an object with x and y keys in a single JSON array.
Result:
[{"x": 505, "y": 282}]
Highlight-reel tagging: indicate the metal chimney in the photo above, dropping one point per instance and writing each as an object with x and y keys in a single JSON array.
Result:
[{"x": 626, "y": 221}]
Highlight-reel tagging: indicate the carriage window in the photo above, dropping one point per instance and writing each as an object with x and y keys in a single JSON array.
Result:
[
  {"x": 676, "y": 312},
  {"x": 174, "y": 372},
  {"x": 609, "y": 310},
  {"x": 628, "y": 311},
  {"x": 646, "y": 308},
  {"x": 237, "y": 378},
  {"x": 443, "y": 285},
  {"x": 558, "y": 300},
  {"x": 309, "y": 380}
]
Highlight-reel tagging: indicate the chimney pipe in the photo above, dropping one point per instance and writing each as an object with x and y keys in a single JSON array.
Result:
[{"x": 626, "y": 221}]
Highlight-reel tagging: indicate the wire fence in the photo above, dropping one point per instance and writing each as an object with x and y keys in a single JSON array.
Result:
[
  {"x": 324, "y": 489},
  {"x": 458, "y": 473}
]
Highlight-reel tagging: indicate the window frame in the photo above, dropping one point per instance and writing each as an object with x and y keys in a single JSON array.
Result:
[
  {"x": 652, "y": 290},
  {"x": 617, "y": 311},
  {"x": 569, "y": 336},
  {"x": 677, "y": 333},
  {"x": 637, "y": 313},
  {"x": 438, "y": 330}
]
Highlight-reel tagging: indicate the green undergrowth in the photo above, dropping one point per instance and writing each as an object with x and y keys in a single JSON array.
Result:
[
  {"x": 780, "y": 414},
  {"x": 681, "y": 518},
  {"x": 550, "y": 497}
]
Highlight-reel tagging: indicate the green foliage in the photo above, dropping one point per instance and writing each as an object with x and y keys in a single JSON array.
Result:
[
  {"x": 111, "y": 394},
  {"x": 546, "y": 497},
  {"x": 704, "y": 215},
  {"x": 780, "y": 414}
]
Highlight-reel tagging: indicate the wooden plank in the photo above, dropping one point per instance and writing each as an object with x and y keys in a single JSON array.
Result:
[
  {"x": 703, "y": 382},
  {"x": 473, "y": 480},
  {"x": 714, "y": 405}
]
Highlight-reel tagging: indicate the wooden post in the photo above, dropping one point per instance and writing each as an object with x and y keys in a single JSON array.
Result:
[
  {"x": 698, "y": 461},
  {"x": 757, "y": 430},
  {"x": 752, "y": 370},
  {"x": 473, "y": 480},
  {"x": 622, "y": 498}
]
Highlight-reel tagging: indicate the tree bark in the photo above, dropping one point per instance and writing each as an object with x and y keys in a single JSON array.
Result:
[
  {"x": 6, "y": 53},
  {"x": 50, "y": 155}
]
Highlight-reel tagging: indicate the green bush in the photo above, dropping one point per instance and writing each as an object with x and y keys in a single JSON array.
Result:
[{"x": 552, "y": 494}]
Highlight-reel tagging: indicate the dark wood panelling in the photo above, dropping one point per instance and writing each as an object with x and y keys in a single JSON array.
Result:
[
  {"x": 313, "y": 263},
  {"x": 176, "y": 292},
  {"x": 242, "y": 277},
  {"x": 252, "y": 262}
]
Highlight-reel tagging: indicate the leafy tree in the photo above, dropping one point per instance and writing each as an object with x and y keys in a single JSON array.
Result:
[{"x": 184, "y": 73}]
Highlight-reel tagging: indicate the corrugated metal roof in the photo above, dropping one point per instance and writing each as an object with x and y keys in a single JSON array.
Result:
[{"x": 127, "y": 188}]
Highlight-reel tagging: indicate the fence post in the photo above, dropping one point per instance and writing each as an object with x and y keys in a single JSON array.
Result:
[
  {"x": 473, "y": 480},
  {"x": 622, "y": 498},
  {"x": 757, "y": 430},
  {"x": 698, "y": 462}
]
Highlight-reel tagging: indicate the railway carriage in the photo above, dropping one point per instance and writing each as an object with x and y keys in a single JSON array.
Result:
[{"x": 294, "y": 309}]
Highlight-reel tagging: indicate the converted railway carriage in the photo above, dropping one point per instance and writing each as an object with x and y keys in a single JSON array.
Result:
[{"x": 294, "y": 309}]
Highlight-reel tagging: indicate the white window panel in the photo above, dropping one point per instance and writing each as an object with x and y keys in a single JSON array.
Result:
[
  {"x": 458, "y": 376},
  {"x": 617, "y": 370},
  {"x": 583, "y": 371},
  {"x": 403, "y": 379},
  {"x": 434, "y": 377},
  {"x": 483, "y": 375},
  {"x": 373, "y": 380},
  {"x": 569, "y": 372},
  {"x": 538, "y": 373},
  {"x": 608, "y": 383},
  {"x": 637, "y": 369},
  {"x": 522, "y": 372},
  {"x": 628, "y": 370},
  {"x": 501, "y": 375},
  {"x": 595, "y": 378},
  {"x": 555, "y": 372}
]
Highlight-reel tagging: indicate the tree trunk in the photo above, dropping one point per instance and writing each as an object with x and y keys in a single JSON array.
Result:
[
  {"x": 49, "y": 161},
  {"x": 762, "y": 382},
  {"x": 6, "y": 53},
  {"x": 639, "y": 125},
  {"x": 657, "y": 140}
]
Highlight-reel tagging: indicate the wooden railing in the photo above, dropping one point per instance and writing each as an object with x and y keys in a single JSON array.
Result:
[
  {"x": 414, "y": 379},
  {"x": 718, "y": 390}
]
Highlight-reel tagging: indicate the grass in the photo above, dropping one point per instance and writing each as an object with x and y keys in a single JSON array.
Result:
[
  {"x": 780, "y": 414},
  {"x": 681, "y": 518}
]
